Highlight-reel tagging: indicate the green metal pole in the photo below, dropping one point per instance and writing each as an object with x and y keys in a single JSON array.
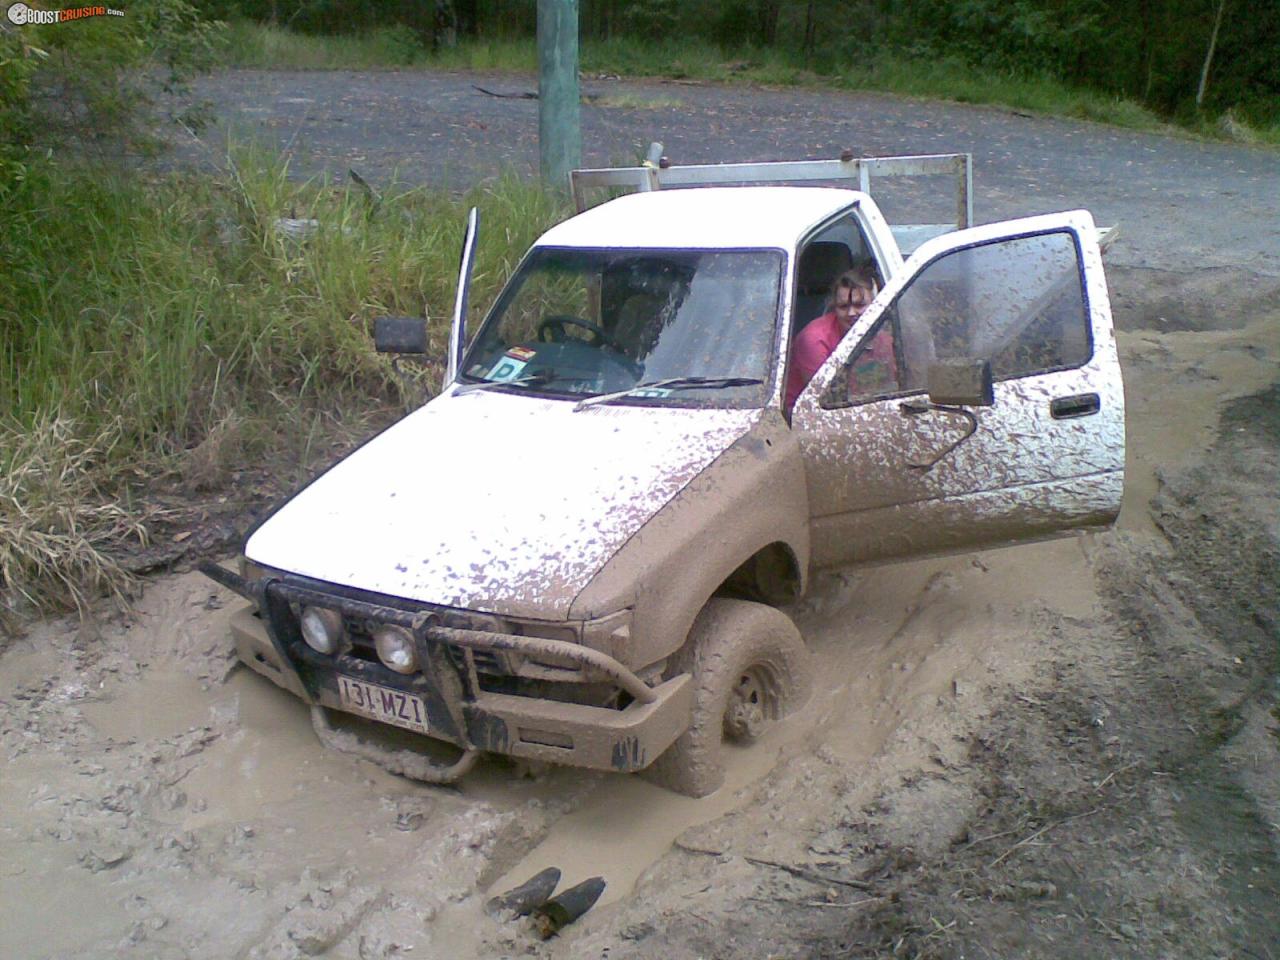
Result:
[{"x": 559, "y": 127}]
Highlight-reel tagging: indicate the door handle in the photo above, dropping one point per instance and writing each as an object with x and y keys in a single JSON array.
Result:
[{"x": 1081, "y": 405}]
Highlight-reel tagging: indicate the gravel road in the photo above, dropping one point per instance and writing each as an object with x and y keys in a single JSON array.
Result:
[{"x": 1181, "y": 203}]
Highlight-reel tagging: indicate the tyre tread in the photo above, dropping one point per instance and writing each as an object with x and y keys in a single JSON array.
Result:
[{"x": 727, "y": 637}]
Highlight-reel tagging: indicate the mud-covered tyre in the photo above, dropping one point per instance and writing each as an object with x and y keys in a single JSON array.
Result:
[{"x": 750, "y": 668}]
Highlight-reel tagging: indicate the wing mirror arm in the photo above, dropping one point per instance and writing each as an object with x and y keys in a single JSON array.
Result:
[
  {"x": 954, "y": 385},
  {"x": 915, "y": 409}
]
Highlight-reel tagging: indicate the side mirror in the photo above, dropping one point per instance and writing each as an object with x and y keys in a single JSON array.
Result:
[
  {"x": 400, "y": 335},
  {"x": 960, "y": 383}
]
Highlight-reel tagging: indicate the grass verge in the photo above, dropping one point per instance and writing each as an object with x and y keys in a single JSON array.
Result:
[{"x": 161, "y": 334}]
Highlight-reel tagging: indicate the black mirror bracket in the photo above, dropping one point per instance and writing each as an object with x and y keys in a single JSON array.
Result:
[
  {"x": 410, "y": 385},
  {"x": 915, "y": 408}
]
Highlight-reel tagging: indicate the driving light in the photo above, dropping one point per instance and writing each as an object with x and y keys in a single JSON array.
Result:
[
  {"x": 322, "y": 629},
  {"x": 396, "y": 649}
]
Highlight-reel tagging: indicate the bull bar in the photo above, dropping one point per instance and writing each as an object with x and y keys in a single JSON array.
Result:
[{"x": 609, "y": 738}]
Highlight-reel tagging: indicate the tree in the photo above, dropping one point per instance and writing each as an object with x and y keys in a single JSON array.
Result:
[{"x": 1208, "y": 57}]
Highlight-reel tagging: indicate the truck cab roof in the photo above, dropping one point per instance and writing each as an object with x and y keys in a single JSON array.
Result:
[{"x": 705, "y": 218}]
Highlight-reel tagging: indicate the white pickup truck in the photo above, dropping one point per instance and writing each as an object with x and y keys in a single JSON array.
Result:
[{"x": 582, "y": 549}]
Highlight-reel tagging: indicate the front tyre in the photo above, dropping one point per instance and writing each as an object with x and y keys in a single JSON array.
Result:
[{"x": 750, "y": 668}]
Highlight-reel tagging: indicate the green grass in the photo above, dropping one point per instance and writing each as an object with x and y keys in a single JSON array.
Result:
[
  {"x": 266, "y": 47},
  {"x": 488, "y": 56},
  {"x": 154, "y": 330},
  {"x": 1229, "y": 126},
  {"x": 944, "y": 80},
  {"x": 253, "y": 45},
  {"x": 952, "y": 80}
]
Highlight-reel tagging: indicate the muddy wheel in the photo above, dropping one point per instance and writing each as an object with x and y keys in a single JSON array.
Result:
[{"x": 750, "y": 668}]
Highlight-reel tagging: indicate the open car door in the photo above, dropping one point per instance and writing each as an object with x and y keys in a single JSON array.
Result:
[
  {"x": 458, "y": 329},
  {"x": 892, "y": 470}
]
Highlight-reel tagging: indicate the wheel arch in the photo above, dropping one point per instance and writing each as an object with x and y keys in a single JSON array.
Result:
[
  {"x": 772, "y": 575},
  {"x": 740, "y": 528}
]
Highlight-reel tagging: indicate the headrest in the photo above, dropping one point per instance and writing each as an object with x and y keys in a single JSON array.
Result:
[{"x": 820, "y": 264}]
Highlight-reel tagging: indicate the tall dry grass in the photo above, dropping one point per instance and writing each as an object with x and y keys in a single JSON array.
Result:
[{"x": 57, "y": 525}]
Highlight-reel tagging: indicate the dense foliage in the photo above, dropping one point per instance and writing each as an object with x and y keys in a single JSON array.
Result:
[{"x": 1151, "y": 51}]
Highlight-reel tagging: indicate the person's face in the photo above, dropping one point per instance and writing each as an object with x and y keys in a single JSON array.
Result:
[{"x": 850, "y": 302}]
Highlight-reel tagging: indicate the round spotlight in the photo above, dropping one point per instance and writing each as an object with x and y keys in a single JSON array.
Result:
[
  {"x": 322, "y": 629},
  {"x": 396, "y": 648}
]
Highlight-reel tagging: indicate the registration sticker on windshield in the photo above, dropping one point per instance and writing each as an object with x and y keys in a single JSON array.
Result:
[{"x": 649, "y": 392}]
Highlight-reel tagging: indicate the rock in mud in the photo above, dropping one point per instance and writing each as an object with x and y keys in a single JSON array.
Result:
[
  {"x": 104, "y": 857},
  {"x": 411, "y": 813}
]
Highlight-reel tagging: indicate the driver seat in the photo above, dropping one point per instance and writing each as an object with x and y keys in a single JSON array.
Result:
[{"x": 821, "y": 262}]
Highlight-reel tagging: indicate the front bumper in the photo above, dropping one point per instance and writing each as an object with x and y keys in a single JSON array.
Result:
[{"x": 458, "y": 710}]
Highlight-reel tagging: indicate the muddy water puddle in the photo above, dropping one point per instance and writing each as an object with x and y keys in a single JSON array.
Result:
[
  {"x": 269, "y": 757},
  {"x": 36, "y": 904},
  {"x": 627, "y": 823},
  {"x": 305, "y": 807},
  {"x": 166, "y": 704},
  {"x": 900, "y": 642}
]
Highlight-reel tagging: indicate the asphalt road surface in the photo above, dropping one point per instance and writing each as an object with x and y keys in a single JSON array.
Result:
[{"x": 1181, "y": 204}]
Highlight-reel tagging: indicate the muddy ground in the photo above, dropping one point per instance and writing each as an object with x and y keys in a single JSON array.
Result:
[{"x": 1066, "y": 749}]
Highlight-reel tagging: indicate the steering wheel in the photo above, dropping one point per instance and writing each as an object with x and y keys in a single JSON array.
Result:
[{"x": 551, "y": 330}]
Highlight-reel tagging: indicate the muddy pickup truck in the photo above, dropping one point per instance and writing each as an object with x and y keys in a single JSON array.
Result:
[{"x": 582, "y": 550}]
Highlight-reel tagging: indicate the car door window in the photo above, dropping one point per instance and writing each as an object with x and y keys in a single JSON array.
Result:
[{"x": 1019, "y": 304}]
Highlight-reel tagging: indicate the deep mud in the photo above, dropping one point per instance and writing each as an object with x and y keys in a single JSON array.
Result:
[
  {"x": 1056, "y": 750},
  {"x": 1061, "y": 750}
]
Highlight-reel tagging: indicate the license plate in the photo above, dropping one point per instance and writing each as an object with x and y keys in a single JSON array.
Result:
[{"x": 383, "y": 703}]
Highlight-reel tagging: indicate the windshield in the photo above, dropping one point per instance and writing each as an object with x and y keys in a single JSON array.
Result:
[{"x": 580, "y": 323}]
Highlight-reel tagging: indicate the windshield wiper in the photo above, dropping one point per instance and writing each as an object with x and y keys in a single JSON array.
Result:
[{"x": 671, "y": 383}]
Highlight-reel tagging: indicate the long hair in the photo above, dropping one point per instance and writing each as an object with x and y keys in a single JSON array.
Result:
[{"x": 861, "y": 274}]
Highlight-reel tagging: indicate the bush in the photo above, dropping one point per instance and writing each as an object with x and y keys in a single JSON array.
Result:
[{"x": 100, "y": 87}]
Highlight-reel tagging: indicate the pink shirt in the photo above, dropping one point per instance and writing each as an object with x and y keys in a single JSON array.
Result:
[{"x": 816, "y": 342}]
